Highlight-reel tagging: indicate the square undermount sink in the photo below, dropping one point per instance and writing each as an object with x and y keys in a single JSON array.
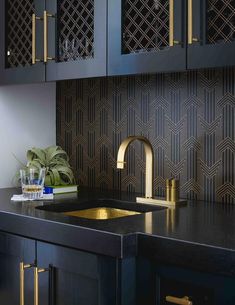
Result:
[
  {"x": 101, "y": 213},
  {"x": 100, "y": 209}
]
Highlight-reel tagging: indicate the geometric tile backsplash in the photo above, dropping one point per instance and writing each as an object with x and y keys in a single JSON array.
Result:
[{"x": 189, "y": 118}]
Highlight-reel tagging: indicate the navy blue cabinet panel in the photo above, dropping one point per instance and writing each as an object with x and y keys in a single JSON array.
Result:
[
  {"x": 211, "y": 33},
  {"x": 163, "y": 285},
  {"x": 75, "y": 277},
  {"x": 145, "y": 36},
  {"x": 16, "y": 41},
  {"x": 13, "y": 251},
  {"x": 76, "y": 39}
]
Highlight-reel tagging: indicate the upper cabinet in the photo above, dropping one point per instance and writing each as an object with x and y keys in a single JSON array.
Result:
[
  {"x": 146, "y": 36},
  {"x": 75, "y": 41},
  {"x": 52, "y": 40},
  {"x": 17, "y": 38},
  {"x": 63, "y": 39},
  {"x": 211, "y": 33}
]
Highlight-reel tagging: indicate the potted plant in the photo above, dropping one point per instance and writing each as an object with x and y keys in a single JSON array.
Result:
[{"x": 56, "y": 162}]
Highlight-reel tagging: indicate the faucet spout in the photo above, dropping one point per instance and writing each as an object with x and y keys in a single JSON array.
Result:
[{"x": 149, "y": 161}]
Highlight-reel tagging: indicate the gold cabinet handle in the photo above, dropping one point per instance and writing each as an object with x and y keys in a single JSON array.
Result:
[
  {"x": 179, "y": 301},
  {"x": 36, "y": 289},
  {"x": 172, "y": 42},
  {"x": 191, "y": 39},
  {"x": 45, "y": 21},
  {"x": 22, "y": 269},
  {"x": 34, "y": 59}
]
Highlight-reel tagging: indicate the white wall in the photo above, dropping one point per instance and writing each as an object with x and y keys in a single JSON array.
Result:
[{"x": 27, "y": 119}]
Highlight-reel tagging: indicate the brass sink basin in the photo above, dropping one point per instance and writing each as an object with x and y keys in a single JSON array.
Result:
[
  {"x": 101, "y": 213},
  {"x": 100, "y": 209}
]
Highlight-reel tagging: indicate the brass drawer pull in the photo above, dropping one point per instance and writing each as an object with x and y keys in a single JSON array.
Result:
[
  {"x": 191, "y": 39},
  {"x": 45, "y": 36},
  {"x": 179, "y": 301},
  {"x": 36, "y": 288},
  {"x": 34, "y": 59},
  {"x": 172, "y": 42},
  {"x": 22, "y": 269}
]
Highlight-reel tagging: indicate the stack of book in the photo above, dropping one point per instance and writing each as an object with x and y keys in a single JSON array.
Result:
[{"x": 63, "y": 189}]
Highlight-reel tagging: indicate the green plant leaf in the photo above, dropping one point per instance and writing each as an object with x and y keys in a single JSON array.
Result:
[
  {"x": 35, "y": 164},
  {"x": 54, "y": 152},
  {"x": 66, "y": 174},
  {"x": 37, "y": 153},
  {"x": 56, "y": 176},
  {"x": 48, "y": 180},
  {"x": 59, "y": 162}
]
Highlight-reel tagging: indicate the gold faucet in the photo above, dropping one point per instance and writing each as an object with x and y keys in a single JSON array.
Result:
[
  {"x": 149, "y": 161},
  {"x": 171, "y": 185}
]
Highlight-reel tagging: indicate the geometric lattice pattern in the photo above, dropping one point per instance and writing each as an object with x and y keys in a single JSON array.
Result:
[
  {"x": 19, "y": 32},
  {"x": 76, "y": 29},
  {"x": 221, "y": 21},
  {"x": 145, "y": 25},
  {"x": 188, "y": 117}
]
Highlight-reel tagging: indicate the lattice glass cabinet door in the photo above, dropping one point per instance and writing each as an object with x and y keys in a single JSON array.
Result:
[
  {"x": 19, "y": 36},
  {"x": 211, "y": 33},
  {"x": 146, "y": 36},
  {"x": 76, "y": 36}
]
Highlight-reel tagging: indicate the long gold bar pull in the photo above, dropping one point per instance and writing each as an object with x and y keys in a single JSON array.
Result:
[
  {"x": 33, "y": 39},
  {"x": 34, "y": 59},
  {"x": 191, "y": 39},
  {"x": 45, "y": 21},
  {"x": 22, "y": 269},
  {"x": 179, "y": 301},
  {"x": 171, "y": 23},
  {"x": 36, "y": 286},
  {"x": 172, "y": 42}
]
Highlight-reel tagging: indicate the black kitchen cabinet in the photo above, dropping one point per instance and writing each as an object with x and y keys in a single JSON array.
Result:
[
  {"x": 16, "y": 251},
  {"x": 211, "y": 33},
  {"x": 76, "y": 39},
  {"x": 146, "y": 36},
  {"x": 52, "y": 40},
  {"x": 74, "y": 277},
  {"x": 16, "y": 41},
  {"x": 54, "y": 275},
  {"x": 164, "y": 284},
  {"x": 90, "y": 38}
]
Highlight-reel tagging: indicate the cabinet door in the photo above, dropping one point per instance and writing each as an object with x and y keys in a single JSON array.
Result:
[
  {"x": 75, "y": 277},
  {"x": 16, "y": 41},
  {"x": 13, "y": 251},
  {"x": 211, "y": 33},
  {"x": 76, "y": 39},
  {"x": 146, "y": 36},
  {"x": 167, "y": 284}
]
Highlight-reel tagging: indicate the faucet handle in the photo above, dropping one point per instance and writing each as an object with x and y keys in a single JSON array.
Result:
[
  {"x": 120, "y": 164},
  {"x": 174, "y": 190},
  {"x": 168, "y": 190}
]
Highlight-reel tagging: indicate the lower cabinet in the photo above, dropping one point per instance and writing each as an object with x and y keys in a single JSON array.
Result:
[
  {"x": 13, "y": 251},
  {"x": 33, "y": 272},
  {"x": 70, "y": 277},
  {"x": 39, "y": 273},
  {"x": 167, "y": 285}
]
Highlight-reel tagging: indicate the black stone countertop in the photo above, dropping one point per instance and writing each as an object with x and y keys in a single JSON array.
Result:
[{"x": 200, "y": 235}]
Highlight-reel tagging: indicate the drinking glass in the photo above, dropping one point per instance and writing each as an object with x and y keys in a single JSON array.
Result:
[{"x": 32, "y": 182}]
